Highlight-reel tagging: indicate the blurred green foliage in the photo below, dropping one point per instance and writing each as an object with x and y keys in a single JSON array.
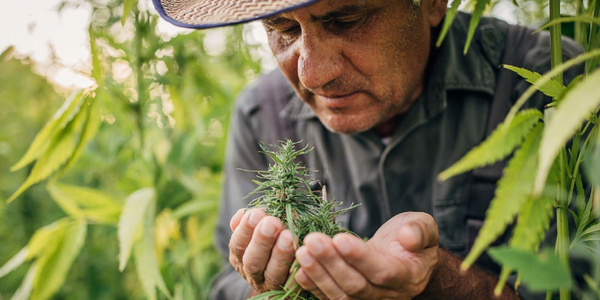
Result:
[{"x": 163, "y": 106}]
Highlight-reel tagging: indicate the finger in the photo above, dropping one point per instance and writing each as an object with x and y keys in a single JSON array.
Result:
[
  {"x": 317, "y": 273},
  {"x": 378, "y": 269},
  {"x": 307, "y": 284},
  {"x": 243, "y": 233},
  {"x": 259, "y": 250},
  {"x": 352, "y": 282},
  {"x": 279, "y": 264},
  {"x": 418, "y": 232},
  {"x": 235, "y": 220}
]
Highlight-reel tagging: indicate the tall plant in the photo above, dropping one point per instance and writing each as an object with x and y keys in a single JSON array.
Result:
[
  {"x": 150, "y": 134},
  {"x": 545, "y": 174}
]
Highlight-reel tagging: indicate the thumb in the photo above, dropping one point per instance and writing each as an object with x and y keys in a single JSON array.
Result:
[{"x": 418, "y": 232}]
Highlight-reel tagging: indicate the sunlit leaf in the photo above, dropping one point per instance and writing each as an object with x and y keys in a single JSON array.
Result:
[
  {"x": 127, "y": 6},
  {"x": 540, "y": 272},
  {"x": 44, "y": 138},
  {"x": 497, "y": 146},
  {"x": 145, "y": 256},
  {"x": 59, "y": 151},
  {"x": 195, "y": 206},
  {"x": 450, "y": 14},
  {"x": 86, "y": 202},
  {"x": 24, "y": 290},
  {"x": 54, "y": 265},
  {"x": 131, "y": 219},
  {"x": 575, "y": 107},
  {"x": 475, "y": 17},
  {"x": 96, "y": 63},
  {"x": 513, "y": 190},
  {"x": 14, "y": 262},
  {"x": 92, "y": 124},
  {"x": 46, "y": 238},
  {"x": 552, "y": 89}
]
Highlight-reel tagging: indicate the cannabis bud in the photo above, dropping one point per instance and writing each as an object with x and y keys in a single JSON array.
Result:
[{"x": 286, "y": 194}]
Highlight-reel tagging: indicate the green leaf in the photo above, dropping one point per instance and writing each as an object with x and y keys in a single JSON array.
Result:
[
  {"x": 92, "y": 124},
  {"x": 127, "y": 6},
  {"x": 86, "y": 202},
  {"x": 131, "y": 219},
  {"x": 580, "y": 18},
  {"x": 450, "y": 15},
  {"x": 540, "y": 272},
  {"x": 532, "y": 223},
  {"x": 498, "y": 145},
  {"x": 475, "y": 17},
  {"x": 575, "y": 107},
  {"x": 24, "y": 290},
  {"x": 513, "y": 190},
  {"x": 145, "y": 256},
  {"x": 43, "y": 139},
  {"x": 46, "y": 238},
  {"x": 96, "y": 63},
  {"x": 545, "y": 79},
  {"x": 54, "y": 265},
  {"x": 552, "y": 89},
  {"x": 14, "y": 262},
  {"x": 59, "y": 151}
]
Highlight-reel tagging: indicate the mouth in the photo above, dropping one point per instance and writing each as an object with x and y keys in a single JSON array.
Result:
[{"x": 337, "y": 100}]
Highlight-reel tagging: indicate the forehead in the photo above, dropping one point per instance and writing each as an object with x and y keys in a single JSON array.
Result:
[{"x": 330, "y": 9}]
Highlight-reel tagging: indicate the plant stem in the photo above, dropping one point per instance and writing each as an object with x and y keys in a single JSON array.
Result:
[
  {"x": 555, "y": 38},
  {"x": 562, "y": 222},
  {"x": 594, "y": 40},
  {"x": 139, "y": 63}
]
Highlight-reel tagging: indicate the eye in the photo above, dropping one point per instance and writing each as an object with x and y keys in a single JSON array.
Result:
[{"x": 344, "y": 23}]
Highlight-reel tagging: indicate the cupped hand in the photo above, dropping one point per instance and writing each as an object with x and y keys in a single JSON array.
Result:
[
  {"x": 396, "y": 263},
  {"x": 260, "y": 250}
]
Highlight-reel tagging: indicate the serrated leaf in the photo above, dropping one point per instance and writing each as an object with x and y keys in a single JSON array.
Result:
[
  {"x": 532, "y": 223},
  {"x": 131, "y": 219},
  {"x": 513, "y": 190},
  {"x": 552, "y": 88},
  {"x": 24, "y": 290},
  {"x": 46, "y": 238},
  {"x": 475, "y": 17},
  {"x": 127, "y": 6},
  {"x": 54, "y": 265},
  {"x": 498, "y": 145},
  {"x": 545, "y": 79},
  {"x": 86, "y": 202},
  {"x": 540, "y": 272},
  {"x": 575, "y": 107},
  {"x": 44, "y": 138},
  {"x": 14, "y": 262},
  {"x": 92, "y": 124},
  {"x": 59, "y": 151},
  {"x": 145, "y": 256},
  {"x": 450, "y": 15}
]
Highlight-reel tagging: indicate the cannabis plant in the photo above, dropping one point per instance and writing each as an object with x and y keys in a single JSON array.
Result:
[{"x": 285, "y": 193}]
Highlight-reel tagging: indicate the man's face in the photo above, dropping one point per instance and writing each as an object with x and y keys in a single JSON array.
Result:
[{"x": 356, "y": 63}]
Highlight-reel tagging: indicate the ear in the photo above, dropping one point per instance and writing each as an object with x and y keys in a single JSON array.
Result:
[{"x": 437, "y": 11}]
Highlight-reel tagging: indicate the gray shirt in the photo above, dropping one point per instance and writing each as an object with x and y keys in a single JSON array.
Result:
[{"x": 449, "y": 118}]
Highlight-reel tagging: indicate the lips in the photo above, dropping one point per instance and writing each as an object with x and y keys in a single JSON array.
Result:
[{"x": 337, "y": 100}]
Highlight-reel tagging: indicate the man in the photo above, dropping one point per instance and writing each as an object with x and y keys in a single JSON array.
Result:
[{"x": 386, "y": 111}]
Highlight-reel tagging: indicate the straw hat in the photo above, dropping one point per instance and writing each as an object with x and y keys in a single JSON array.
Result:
[{"x": 213, "y": 13}]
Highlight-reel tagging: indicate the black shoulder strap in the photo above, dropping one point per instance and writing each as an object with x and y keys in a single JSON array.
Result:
[
  {"x": 273, "y": 93},
  {"x": 519, "y": 41}
]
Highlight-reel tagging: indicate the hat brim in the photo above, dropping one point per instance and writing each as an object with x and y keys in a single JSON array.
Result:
[{"x": 201, "y": 14}]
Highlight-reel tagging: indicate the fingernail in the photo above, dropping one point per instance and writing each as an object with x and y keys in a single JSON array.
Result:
[
  {"x": 253, "y": 218},
  {"x": 305, "y": 259},
  {"x": 416, "y": 231},
  {"x": 284, "y": 243},
  {"x": 342, "y": 245},
  {"x": 267, "y": 228}
]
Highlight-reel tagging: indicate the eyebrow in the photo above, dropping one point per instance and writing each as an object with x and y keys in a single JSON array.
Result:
[{"x": 343, "y": 11}]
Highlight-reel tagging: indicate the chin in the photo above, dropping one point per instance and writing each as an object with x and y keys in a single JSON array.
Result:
[{"x": 346, "y": 125}]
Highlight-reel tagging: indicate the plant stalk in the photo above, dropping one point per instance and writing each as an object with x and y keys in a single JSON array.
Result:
[
  {"x": 138, "y": 106},
  {"x": 555, "y": 38},
  {"x": 562, "y": 221},
  {"x": 594, "y": 39}
]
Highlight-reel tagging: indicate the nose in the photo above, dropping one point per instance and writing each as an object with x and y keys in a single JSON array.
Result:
[{"x": 320, "y": 60}]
